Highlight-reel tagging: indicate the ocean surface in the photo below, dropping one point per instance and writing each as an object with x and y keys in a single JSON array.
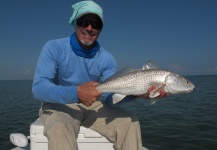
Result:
[{"x": 178, "y": 122}]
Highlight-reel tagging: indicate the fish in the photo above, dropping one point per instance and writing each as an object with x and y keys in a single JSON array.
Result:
[{"x": 136, "y": 82}]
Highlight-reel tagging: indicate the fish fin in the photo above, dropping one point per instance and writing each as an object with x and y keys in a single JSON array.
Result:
[
  {"x": 120, "y": 73},
  {"x": 117, "y": 97},
  {"x": 155, "y": 93},
  {"x": 150, "y": 65},
  {"x": 153, "y": 101}
]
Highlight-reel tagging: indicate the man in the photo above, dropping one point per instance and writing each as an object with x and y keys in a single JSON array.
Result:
[{"x": 66, "y": 76}]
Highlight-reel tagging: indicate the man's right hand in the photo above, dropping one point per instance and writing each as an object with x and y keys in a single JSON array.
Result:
[
  {"x": 87, "y": 93},
  {"x": 162, "y": 93}
]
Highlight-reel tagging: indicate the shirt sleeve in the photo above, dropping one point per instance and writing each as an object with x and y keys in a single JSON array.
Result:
[{"x": 44, "y": 87}]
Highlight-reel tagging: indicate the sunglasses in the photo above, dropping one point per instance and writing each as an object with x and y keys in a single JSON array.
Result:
[{"x": 97, "y": 25}]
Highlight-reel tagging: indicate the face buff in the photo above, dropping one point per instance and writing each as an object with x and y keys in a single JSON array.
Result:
[{"x": 78, "y": 50}]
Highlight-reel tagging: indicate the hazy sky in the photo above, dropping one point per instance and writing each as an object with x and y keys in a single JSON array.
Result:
[{"x": 179, "y": 35}]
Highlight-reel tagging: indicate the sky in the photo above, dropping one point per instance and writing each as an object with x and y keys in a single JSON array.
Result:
[{"x": 178, "y": 35}]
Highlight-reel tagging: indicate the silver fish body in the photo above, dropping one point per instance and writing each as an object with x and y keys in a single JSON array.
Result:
[{"x": 138, "y": 82}]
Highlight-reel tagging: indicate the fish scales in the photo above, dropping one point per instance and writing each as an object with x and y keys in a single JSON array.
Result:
[{"x": 135, "y": 83}]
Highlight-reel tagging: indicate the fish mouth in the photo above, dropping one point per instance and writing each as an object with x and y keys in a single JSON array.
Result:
[{"x": 189, "y": 90}]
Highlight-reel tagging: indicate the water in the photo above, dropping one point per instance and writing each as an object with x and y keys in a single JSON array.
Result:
[{"x": 180, "y": 122}]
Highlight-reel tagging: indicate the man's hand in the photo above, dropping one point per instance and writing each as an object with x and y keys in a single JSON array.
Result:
[
  {"x": 87, "y": 93},
  {"x": 162, "y": 93}
]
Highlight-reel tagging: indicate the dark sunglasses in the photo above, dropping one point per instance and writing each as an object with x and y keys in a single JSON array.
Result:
[{"x": 97, "y": 25}]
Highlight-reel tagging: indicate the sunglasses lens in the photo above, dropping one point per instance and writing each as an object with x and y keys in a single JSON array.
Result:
[
  {"x": 96, "y": 25},
  {"x": 81, "y": 23},
  {"x": 84, "y": 23}
]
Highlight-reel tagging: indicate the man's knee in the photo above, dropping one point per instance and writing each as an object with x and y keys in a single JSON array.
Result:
[
  {"x": 59, "y": 124},
  {"x": 60, "y": 129}
]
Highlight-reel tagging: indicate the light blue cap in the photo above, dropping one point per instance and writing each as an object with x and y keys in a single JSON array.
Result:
[{"x": 85, "y": 7}]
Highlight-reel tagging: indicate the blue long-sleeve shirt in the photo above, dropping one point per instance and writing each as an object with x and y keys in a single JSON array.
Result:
[{"x": 59, "y": 71}]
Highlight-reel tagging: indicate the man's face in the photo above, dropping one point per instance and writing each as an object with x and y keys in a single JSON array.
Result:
[{"x": 87, "y": 30}]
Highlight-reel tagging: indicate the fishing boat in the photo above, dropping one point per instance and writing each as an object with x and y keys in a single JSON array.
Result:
[{"x": 87, "y": 139}]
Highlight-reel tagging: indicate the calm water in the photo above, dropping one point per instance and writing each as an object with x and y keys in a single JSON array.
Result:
[{"x": 180, "y": 122}]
